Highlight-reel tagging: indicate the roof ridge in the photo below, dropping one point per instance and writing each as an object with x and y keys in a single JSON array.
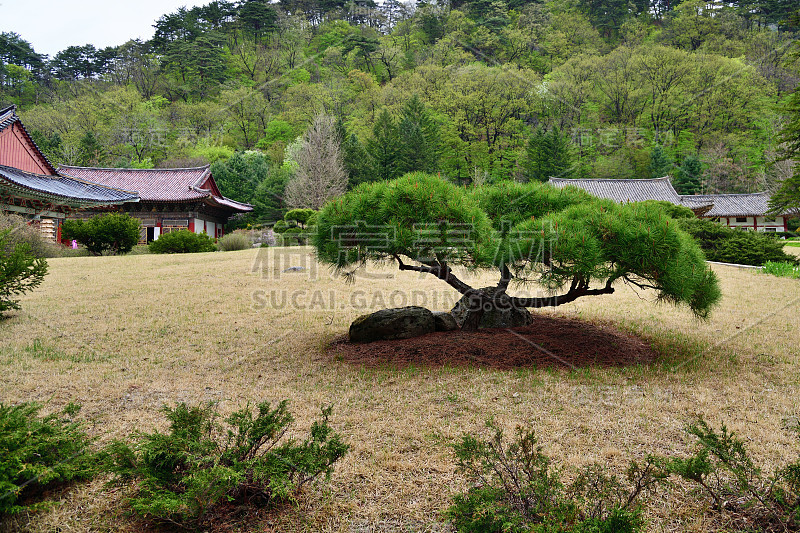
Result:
[
  {"x": 204, "y": 167},
  {"x": 613, "y": 179},
  {"x": 728, "y": 194}
]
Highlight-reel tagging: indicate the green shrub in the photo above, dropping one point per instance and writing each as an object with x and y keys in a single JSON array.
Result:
[
  {"x": 114, "y": 233},
  {"x": 517, "y": 490},
  {"x": 21, "y": 231},
  {"x": 782, "y": 269},
  {"x": 182, "y": 242},
  {"x": 183, "y": 475},
  {"x": 234, "y": 241},
  {"x": 37, "y": 453},
  {"x": 280, "y": 226},
  {"x": 300, "y": 217},
  {"x": 20, "y": 271},
  {"x": 729, "y": 245},
  {"x": 751, "y": 500}
]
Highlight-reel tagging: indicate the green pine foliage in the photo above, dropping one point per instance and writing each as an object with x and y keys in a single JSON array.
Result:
[
  {"x": 110, "y": 233},
  {"x": 201, "y": 463},
  {"x": 549, "y": 155},
  {"x": 563, "y": 239},
  {"x": 384, "y": 148},
  {"x": 419, "y": 140},
  {"x": 688, "y": 178},
  {"x": 182, "y": 242},
  {"x": 517, "y": 490},
  {"x": 20, "y": 271},
  {"x": 675, "y": 211},
  {"x": 660, "y": 165},
  {"x": 38, "y": 453}
]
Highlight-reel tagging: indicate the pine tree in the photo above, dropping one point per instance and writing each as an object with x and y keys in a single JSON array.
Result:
[
  {"x": 549, "y": 154},
  {"x": 419, "y": 146},
  {"x": 357, "y": 161},
  {"x": 688, "y": 178},
  {"x": 660, "y": 165},
  {"x": 384, "y": 147}
]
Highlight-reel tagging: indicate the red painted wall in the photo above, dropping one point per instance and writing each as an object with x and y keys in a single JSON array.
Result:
[{"x": 17, "y": 151}]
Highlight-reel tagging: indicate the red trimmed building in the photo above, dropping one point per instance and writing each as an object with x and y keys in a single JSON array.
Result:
[
  {"x": 30, "y": 185},
  {"x": 170, "y": 199}
]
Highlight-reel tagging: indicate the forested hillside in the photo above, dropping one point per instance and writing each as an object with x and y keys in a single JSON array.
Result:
[{"x": 476, "y": 90}]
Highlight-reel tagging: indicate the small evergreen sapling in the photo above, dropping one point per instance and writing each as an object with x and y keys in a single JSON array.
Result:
[
  {"x": 200, "y": 463},
  {"x": 20, "y": 271},
  {"x": 37, "y": 453}
]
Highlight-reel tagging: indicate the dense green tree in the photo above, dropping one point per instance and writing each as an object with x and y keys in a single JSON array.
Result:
[
  {"x": 549, "y": 155},
  {"x": 239, "y": 176},
  {"x": 76, "y": 62},
  {"x": 258, "y": 18},
  {"x": 419, "y": 145},
  {"x": 564, "y": 239},
  {"x": 383, "y": 147},
  {"x": 688, "y": 178},
  {"x": 660, "y": 164},
  {"x": 90, "y": 149}
]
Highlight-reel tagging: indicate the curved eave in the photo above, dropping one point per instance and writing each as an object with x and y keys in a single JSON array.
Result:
[
  {"x": 68, "y": 201},
  {"x": 227, "y": 203}
]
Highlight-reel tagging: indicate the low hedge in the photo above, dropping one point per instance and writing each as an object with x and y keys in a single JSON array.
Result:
[{"x": 182, "y": 242}]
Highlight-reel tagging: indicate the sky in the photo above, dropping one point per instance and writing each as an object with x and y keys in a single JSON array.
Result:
[{"x": 53, "y": 25}]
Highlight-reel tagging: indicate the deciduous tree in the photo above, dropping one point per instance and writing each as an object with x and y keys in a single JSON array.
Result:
[{"x": 320, "y": 172}]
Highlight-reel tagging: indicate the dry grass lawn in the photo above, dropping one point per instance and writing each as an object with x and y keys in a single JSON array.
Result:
[{"x": 125, "y": 335}]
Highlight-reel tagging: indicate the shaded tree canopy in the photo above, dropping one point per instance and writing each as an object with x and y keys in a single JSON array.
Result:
[{"x": 568, "y": 242}]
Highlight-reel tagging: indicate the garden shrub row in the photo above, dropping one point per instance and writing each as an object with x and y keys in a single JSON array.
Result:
[
  {"x": 181, "y": 477},
  {"x": 729, "y": 245},
  {"x": 187, "y": 475}
]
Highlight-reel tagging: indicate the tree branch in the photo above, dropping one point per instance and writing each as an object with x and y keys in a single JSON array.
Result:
[
  {"x": 441, "y": 271},
  {"x": 578, "y": 289}
]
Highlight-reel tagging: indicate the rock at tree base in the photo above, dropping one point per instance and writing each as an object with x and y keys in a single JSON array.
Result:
[
  {"x": 388, "y": 324},
  {"x": 500, "y": 314},
  {"x": 444, "y": 321}
]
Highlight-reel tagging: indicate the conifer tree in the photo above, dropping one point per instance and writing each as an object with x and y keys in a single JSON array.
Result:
[
  {"x": 549, "y": 154},
  {"x": 688, "y": 178},
  {"x": 660, "y": 165},
  {"x": 384, "y": 147},
  {"x": 418, "y": 134}
]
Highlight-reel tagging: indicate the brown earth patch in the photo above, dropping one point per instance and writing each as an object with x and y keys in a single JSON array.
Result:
[{"x": 549, "y": 341}]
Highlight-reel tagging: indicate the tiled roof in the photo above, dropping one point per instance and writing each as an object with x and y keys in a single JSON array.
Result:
[
  {"x": 153, "y": 185},
  {"x": 622, "y": 191},
  {"x": 731, "y": 205},
  {"x": 705, "y": 205},
  {"x": 64, "y": 190},
  {"x": 157, "y": 185},
  {"x": 8, "y": 116}
]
